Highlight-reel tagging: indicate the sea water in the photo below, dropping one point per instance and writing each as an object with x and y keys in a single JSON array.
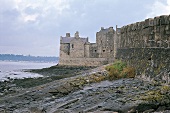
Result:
[{"x": 9, "y": 69}]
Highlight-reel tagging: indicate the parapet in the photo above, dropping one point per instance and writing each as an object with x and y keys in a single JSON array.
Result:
[
  {"x": 150, "y": 22},
  {"x": 67, "y": 34},
  {"x": 152, "y": 32},
  {"x": 106, "y": 30}
]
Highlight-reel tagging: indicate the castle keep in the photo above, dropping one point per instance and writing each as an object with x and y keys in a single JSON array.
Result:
[{"x": 78, "y": 50}]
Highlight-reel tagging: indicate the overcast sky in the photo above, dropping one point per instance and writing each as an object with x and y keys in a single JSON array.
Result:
[{"x": 34, "y": 26}]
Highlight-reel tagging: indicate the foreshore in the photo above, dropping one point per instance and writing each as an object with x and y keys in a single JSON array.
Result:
[{"x": 84, "y": 89}]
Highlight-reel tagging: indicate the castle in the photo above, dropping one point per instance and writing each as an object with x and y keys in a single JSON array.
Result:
[
  {"x": 79, "y": 51},
  {"x": 144, "y": 45},
  {"x": 150, "y": 33}
]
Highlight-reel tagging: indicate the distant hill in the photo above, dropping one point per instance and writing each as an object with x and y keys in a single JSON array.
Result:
[{"x": 12, "y": 57}]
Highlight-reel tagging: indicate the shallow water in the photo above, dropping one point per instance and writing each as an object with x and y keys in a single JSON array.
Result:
[{"x": 14, "y": 69}]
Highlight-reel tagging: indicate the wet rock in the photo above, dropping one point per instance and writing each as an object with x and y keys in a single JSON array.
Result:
[
  {"x": 36, "y": 110},
  {"x": 149, "y": 111},
  {"x": 161, "y": 108},
  {"x": 77, "y": 95},
  {"x": 63, "y": 89},
  {"x": 2, "y": 110},
  {"x": 145, "y": 106},
  {"x": 118, "y": 91},
  {"x": 62, "y": 111},
  {"x": 102, "y": 112}
]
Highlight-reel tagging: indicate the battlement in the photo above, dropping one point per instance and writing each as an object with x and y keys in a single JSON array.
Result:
[{"x": 153, "y": 32}]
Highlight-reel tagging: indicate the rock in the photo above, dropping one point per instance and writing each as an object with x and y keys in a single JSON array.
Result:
[
  {"x": 65, "y": 95},
  {"x": 161, "y": 108},
  {"x": 36, "y": 110},
  {"x": 102, "y": 112},
  {"x": 118, "y": 91},
  {"x": 149, "y": 111},
  {"x": 63, "y": 89},
  {"x": 145, "y": 106},
  {"x": 62, "y": 111},
  {"x": 2, "y": 110},
  {"x": 1, "y": 94}
]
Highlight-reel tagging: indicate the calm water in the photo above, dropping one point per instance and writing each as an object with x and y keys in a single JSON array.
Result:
[{"x": 14, "y": 69}]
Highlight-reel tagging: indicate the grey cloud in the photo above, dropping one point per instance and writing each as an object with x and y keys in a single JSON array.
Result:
[
  {"x": 31, "y": 10},
  {"x": 86, "y": 16},
  {"x": 8, "y": 18},
  {"x": 10, "y": 14}
]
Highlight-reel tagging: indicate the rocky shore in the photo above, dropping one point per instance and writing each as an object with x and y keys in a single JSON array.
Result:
[{"x": 85, "y": 90}]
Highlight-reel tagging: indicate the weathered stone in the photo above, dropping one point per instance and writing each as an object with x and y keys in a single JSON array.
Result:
[
  {"x": 78, "y": 51},
  {"x": 151, "y": 62}
]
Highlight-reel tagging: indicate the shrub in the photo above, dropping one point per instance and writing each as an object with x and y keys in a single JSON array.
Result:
[
  {"x": 120, "y": 70},
  {"x": 128, "y": 72},
  {"x": 113, "y": 73},
  {"x": 118, "y": 65}
]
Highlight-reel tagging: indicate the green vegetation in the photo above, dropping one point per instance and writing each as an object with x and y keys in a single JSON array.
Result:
[
  {"x": 115, "y": 71},
  {"x": 61, "y": 70},
  {"x": 52, "y": 73},
  {"x": 119, "y": 70},
  {"x": 31, "y": 82},
  {"x": 118, "y": 65},
  {"x": 160, "y": 96}
]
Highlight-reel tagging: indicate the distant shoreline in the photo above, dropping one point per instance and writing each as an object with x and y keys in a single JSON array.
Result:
[
  {"x": 18, "y": 58},
  {"x": 28, "y": 61}
]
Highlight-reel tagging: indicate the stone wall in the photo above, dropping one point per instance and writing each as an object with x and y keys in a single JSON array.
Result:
[
  {"x": 87, "y": 50},
  {"x": 83, "y": 61},
  {"x": 65, "y": 50},
  {"x": 77, "y": 48},
  {"x": 93, "y": 51},
  {"x": 146, "y": 46},
  {"x": 105, "y": 42},
  {"x": 151, "y": 63},
  {"x": 153, "y": 32},
  {"x": 79, "y": 51}
]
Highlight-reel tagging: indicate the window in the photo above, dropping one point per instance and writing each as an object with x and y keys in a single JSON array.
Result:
[
  {"x": 72, "y": 45},
  {"x": 103, "y": 50},
  {"x": 95, "y": 50}
]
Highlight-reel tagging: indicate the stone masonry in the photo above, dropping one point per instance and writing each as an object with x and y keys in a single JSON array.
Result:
[
  {"x": 79, "y": 51},
  {"x": 144, "y": 45},
  {"x": 153, "y": 32}
]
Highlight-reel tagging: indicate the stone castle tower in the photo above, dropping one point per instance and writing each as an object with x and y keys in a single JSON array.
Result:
[{"x": 77, "y": 50}]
